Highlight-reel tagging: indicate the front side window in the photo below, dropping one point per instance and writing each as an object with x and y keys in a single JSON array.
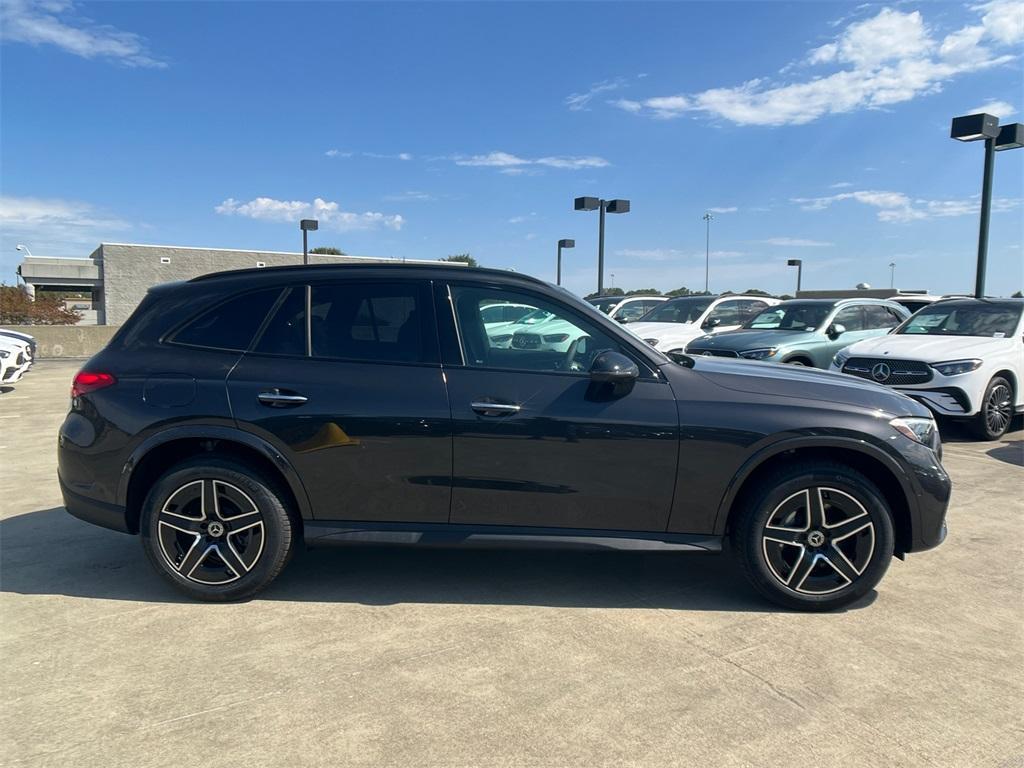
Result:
[
  {"x": 878, "y": 316},
  {"x": 231, "y": 324},
  {"x": 634, "y": 310},
  {"x": 796, "y": 316},
  {"x": 376, "y": 322},
  {"x": 984, "y": 319},
  {"x": 549, "y": 339},
  {"x": 851, "y": 318},
  {"x": 726, "y": 313}
]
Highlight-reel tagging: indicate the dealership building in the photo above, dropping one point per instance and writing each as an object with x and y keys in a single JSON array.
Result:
[{"x": 117, "y": 275}]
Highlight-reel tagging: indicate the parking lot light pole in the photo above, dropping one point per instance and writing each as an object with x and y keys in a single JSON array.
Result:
[
  {"x": 799, "y": 264},
  {"x": 603, "y": 206},
  {"x": 307, "y": 226},
  {"x": 985, "y": 127},
  {"x": 892, "y": 274},
  {"x": 707, "y": 251},
  {"x": 562, "y": 244}
]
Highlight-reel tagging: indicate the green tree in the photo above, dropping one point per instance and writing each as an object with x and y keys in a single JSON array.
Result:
[
  {"x": 606, "y": 292},
  {"x": 1018, "y": 295},
  {"x": 16, "y": 308},
  {"x": 328, "y": 250},
  {"x": 465, "y": 258},
  {"x": 644, "y": 292},
  {"x": 755, "y": 292}
]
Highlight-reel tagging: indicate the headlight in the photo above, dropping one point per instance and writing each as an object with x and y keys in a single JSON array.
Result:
[
  {"x": 652, "y": 342},
  {"x": 917, "y": 429},
  {"x": 759, "y": 354},
  {"x": 840, "y": 360},
  {"x": 556, "y": 338},
  {"x": 502, "y": 339},
  {"x": 955, "y": 367}
]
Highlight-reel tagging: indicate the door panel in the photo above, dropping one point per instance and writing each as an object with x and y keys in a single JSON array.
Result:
[
  {"x": 370, "y": 440},
  {"x": 564, "y": 451}
]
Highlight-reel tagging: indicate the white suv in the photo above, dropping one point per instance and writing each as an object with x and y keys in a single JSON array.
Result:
[
  {"x": 670, "y": 326},
  {"x": 15, "y": 359},
  {"x": 626, "y": 309},
  {"x": 962, "y": 358}
]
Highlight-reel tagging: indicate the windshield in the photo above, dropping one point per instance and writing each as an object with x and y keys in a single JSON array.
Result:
[
  {"x": 606, "y": 303},
  {"x": 964, "y": 319},
  {"x": 537, "y": 316},
  {"x": 791, "y": 317},
  {"x": 678, "y": 310}
]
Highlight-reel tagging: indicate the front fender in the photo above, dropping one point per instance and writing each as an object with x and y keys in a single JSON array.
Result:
[{"x": 781, "y": 445}]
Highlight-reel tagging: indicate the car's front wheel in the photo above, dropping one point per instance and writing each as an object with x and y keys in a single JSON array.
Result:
[
  {"x": 814, "y": 537},
  {"x": 216, "y": 530},
  {"x": 996, "y": 411}
]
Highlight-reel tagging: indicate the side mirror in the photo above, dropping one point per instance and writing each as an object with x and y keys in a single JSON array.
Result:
[
  {"x": 613, "y": 367},
  {"x": 622, "y": 319},
  {"x": 711, "y": 322},
  {"x": 835, "y": 331}
]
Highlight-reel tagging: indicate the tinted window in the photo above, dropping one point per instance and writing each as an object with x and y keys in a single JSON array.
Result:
[
  {"x": 851, "y": 318},
  {"x": 555, "y": 340},
  {"x": 965, "y": 319},
  {"x": 878, "y": 316},
  {"x": 726, "y": 313},
  {"x": 231, "y": 324},
  {"x": 634, "y": 310},
  {"x": 368, "y": 321},
  {"x": 678, "y": 310},
  {"x": 286, "y": 332},
  {"x": 791, "y": 316}
]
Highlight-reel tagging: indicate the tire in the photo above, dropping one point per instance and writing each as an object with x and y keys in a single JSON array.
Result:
[
  {"x": 216, "y": 530},
  {"x": 996, "y": 410},
  {"x": 797, "y": 361},
  {"x": 851, "y": 546}
]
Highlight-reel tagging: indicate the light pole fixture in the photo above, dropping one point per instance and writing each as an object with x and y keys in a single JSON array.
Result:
[
  {"x": 707, "y": 250},
  {"x": 985, "y": 127},
  {"x": 604, "y": 206},
  {"x": 20, "y": 247},
  {"x": 307, "y": 226},
  {"x": 562, "y": 244},
  {"x": 892, "y": 274},
  {"x": 799, "y": 264}
]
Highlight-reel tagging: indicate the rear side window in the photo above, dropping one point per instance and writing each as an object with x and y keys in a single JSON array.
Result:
[
  {"x": 379, "y": 322},
  {"x": 231, "y": 324},
  {"x": 879, "y": 316},
  {"x": 285, "y": 334}
]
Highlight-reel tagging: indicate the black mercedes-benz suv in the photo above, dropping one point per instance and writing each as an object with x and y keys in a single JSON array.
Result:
[{"x": 239, "y": 413}]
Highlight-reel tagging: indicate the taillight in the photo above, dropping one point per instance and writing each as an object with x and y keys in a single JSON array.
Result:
[{"x": 90, "y": 381}]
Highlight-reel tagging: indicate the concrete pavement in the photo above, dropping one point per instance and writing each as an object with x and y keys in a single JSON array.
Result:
[{"x": 397, "y": 657}]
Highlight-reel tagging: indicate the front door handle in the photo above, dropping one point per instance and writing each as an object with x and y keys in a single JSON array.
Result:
[
  {"x": 280, "y": 398},
  {"x": 495, "y": 409}
]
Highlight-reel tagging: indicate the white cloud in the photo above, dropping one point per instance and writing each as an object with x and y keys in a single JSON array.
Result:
[
  {"x": 724, "y": 209},
  {"x": 796, "y": 242},
  {"x": 580, "y": 102},
  {"x": 379, "y": 156},
  {"x": 841, "y": 185},
  {"x": 55, "y": 22},
  {"x": 56, "y": 226},
  {"x": 514, "y": 165},
  {"x": 337, "y": 153},
  {"x": 672, "y": 254},
  {"x": 887, "y": 59},
  {"x": 998, "y": 108},
  {"x": 411, "y": 194},
  {"x": 328, "y": 213},
  {"x": 900, "y": 208}
]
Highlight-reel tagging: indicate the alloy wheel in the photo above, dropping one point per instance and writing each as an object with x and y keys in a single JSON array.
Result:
[
  {"x": 818, "y": 541},
  {"x": 210, "y": 531},
  {"x": 998, "y": 409}
]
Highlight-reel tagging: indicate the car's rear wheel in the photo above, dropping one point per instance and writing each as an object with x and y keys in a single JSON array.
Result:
[
  {"x": 814, "y": 537},
  {"x": 216, "y": 530},
  {"x": 996, "y": 411}
]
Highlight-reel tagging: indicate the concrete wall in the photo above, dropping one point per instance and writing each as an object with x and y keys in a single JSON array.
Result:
[
  {"x": 67, "y": 340},
  {"x": 130, "y": 270}
]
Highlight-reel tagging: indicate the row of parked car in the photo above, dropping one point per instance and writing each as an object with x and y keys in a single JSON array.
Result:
[
  {"x": 961, "y": 357},
  {"x": 17, "y": 351}
]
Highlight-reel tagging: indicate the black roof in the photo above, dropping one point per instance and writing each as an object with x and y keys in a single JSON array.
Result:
[{"x": 420, "y": 269}]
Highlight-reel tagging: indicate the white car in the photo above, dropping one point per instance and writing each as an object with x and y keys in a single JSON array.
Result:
[
  {"x": 15, "y": 359},
  {"x": 626, "y": 309},
  {"x": 670, "y": 326},
  {"x": 963, "y": 358},
  {"x": 501, "y": 333}
]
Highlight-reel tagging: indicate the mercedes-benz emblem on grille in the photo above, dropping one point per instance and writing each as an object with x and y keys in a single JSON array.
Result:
[{"x": 880, "y": 372}]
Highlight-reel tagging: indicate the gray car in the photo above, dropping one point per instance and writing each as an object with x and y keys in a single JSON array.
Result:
[{"x": 805, "y": 332}]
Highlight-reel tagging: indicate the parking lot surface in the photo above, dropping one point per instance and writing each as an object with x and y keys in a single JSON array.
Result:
[{"x": 406, "y": 657}]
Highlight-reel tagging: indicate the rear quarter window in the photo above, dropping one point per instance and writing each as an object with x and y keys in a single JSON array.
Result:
[{"x": 230, "y": 325}]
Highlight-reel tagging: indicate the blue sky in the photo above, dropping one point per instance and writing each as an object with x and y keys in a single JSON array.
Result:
[{"x": 814, "y": 130}]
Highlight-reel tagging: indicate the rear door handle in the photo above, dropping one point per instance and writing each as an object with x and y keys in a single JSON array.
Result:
[
  {"x": 280, "y": 398},
  {"x": 495, "y": 409}
]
